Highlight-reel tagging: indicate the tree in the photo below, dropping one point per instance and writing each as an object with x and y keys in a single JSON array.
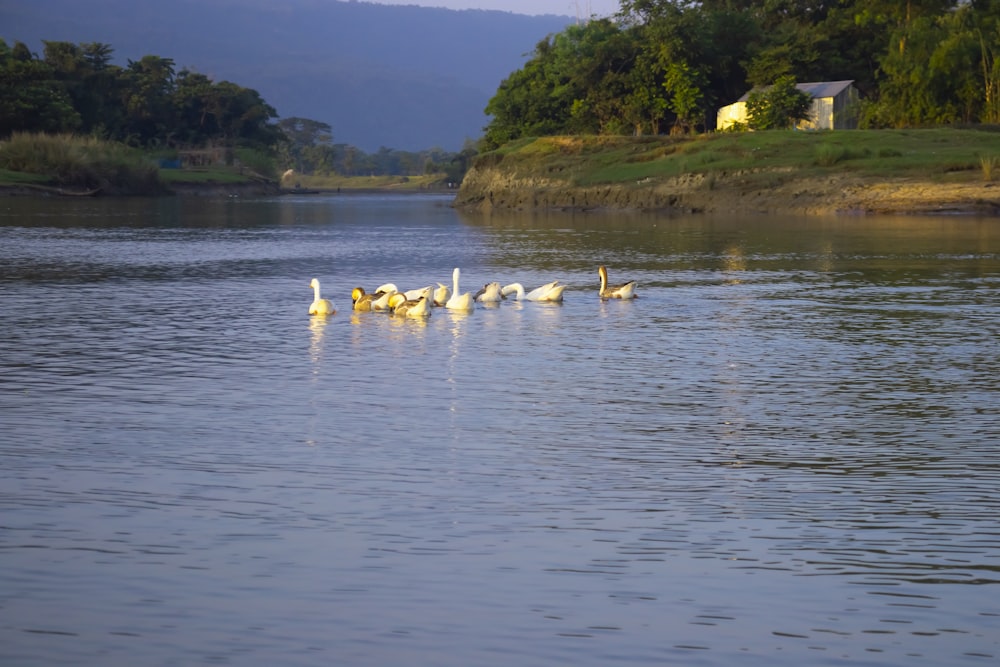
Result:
[
  {"x": 308, "y": 147},
  {"x": 686, "y": 88},
  {"x": 31, "y": 99},
  {"x": 242, "y": 116},
  {"x": 147, "y": 85},
  {"x": 985, "y": 24},
  {"x": 573, "y": 83},
  {"x": 531, "y": 101},
  {"x": 777, "y": 107}
]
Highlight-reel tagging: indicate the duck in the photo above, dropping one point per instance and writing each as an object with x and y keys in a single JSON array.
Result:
[
  {"x": 441, "y": 295},
  {"x": 425, "y": 292},
  {"x": 621, "y": 291},
  {"x": 491, "y": 293},
  {"x": 362, "y": 300},
  {"x": 404, "y": 307},
  {"x": 381, "y": 301},
  {"x": 459, "y": 300},
  {"x": 320, "y": 306},
  {"x": 552, "y": 291},
  {"x": 411, "y": 294}
]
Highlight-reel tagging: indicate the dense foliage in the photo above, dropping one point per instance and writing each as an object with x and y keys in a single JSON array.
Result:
[
  {"x": 75, "y": 89},
  {"x": 777, "y": 107},
  {"x": 662, "y": 65}
]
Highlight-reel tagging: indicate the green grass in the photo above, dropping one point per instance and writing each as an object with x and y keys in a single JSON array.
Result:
[
  {"x": 8, "y": 177},
  {"x": 78, "y": 162},
  {"x": 759, "y": 158},
  {"x": 396, "y": 183},
  {"x": 85, "y": 163},
  {"x": 944, "y": 154}
]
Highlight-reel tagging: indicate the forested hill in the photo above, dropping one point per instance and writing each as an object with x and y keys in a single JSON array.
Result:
[{"x": 403, "y": 77}]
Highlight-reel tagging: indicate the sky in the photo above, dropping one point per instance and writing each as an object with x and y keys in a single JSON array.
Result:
[{"x": 559, "y": 7}]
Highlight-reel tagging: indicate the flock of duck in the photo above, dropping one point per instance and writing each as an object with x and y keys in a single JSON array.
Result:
[{"x": 418, "y": 303}]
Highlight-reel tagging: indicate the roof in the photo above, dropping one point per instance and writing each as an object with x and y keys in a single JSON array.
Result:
[{"x": 814, "y": 89}]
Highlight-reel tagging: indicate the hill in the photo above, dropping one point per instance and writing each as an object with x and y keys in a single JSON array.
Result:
[{"x": 402, "y": 77}]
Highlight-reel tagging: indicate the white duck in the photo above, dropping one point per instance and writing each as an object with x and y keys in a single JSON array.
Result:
[
  {"x": 320, "y": 306},
  {"x": 404, "y": 307},
  {"x": 491, "y": 293},
  {"x": 381, "y": 301},
  {"x": 411, "y": 294},
  {"x": 552, "y": 291},
  {"x": 621, "y": 291},
  {"x": 441, "y": 295},
  {"x": 458, "y": 300}
]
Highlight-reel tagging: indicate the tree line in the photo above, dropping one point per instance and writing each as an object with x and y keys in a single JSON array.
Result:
[
  {"x": 309, "y": 148},
  {"x": 668, "y": 65},
  {"x": 75, "y": 88},
  {"x": 149, "y": 104}
]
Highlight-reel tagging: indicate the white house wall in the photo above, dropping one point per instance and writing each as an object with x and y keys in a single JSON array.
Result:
[
  {"x": 828, "y": 112},
  {"x": 820, "y": 115},
  {"x": 730, "y": 115}
]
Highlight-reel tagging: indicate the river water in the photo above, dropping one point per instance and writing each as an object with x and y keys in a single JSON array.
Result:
[{"x": 784, "y": 452}]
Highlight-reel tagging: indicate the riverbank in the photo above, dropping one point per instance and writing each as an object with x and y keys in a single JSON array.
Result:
[
  {"x": 191, "y": 189},
  {"x": 293, "y": 183},
  {"x": 230, "y": 183},
  {"x": 852, "y": 172}
]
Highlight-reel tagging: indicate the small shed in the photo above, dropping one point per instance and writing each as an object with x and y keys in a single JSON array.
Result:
[{"x": 833, "y": 107}]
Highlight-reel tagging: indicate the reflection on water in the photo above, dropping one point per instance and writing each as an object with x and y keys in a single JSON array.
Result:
[
  {"x": 317, "y": 324},
  {"x": 782, "y": 453}
]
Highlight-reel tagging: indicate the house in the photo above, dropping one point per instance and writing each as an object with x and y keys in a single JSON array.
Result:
[{"x": 833, "y": 107}]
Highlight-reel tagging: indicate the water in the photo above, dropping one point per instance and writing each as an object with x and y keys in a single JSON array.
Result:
[{"x": 783, "y": 453}]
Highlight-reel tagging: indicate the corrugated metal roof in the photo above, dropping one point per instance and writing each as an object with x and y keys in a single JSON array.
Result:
[{"x": 816, "y": 89}]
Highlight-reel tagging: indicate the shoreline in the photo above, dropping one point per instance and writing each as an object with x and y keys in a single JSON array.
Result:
[
  {"x": 253, "y": 189},
  {"x": 486, "y": 190},
  {"x": 840, "y": 194}
]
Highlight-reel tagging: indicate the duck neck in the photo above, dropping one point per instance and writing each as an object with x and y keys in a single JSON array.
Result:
[{"x": 514, "y": 288}]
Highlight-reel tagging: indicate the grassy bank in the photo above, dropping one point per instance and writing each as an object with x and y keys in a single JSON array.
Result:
[
  {"x": 811, "y": 170},
  {"x": 938, "y": 153},
  {"x": 76, "y": 164},
  {"x": 336, "y": 183},
  {"x": 68, "y": 164}
]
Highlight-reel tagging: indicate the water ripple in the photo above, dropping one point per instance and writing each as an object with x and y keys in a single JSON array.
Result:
[{"x": 799, "y": 423}]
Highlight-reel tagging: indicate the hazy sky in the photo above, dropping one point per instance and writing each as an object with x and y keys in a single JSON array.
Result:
[{"x": 561, "y": 7}]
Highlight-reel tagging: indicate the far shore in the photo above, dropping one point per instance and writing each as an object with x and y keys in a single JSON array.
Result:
[
  {"x": 214, "y": 189},
  {"x": 934, "y": 171},
  {"x": 840, "y": 195}
]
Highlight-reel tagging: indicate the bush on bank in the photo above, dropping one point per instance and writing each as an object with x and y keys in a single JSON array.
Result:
[{"x": 82, "y": 163}]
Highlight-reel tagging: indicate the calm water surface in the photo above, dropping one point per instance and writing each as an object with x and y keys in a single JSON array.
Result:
[{"x": 785, "y": 452}]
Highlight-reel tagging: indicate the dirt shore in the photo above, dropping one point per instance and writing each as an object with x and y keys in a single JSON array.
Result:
[
  {"x": 487, "y": 189},
  {"x": 205, "y": 189}
]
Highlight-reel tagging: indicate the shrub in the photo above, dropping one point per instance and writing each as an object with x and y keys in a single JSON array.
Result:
[
  {"x": 778, "y": 107},
  {"x": 81, "y": 162},
  {"x": 258, "y": 162},
  {"x": 988, "y": 164}
]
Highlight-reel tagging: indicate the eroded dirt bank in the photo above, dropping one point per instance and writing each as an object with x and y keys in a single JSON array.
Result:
[{"x": 492, "y": 188}]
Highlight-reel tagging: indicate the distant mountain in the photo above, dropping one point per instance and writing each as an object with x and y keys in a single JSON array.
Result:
[{"x": 402, "y": 77}]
